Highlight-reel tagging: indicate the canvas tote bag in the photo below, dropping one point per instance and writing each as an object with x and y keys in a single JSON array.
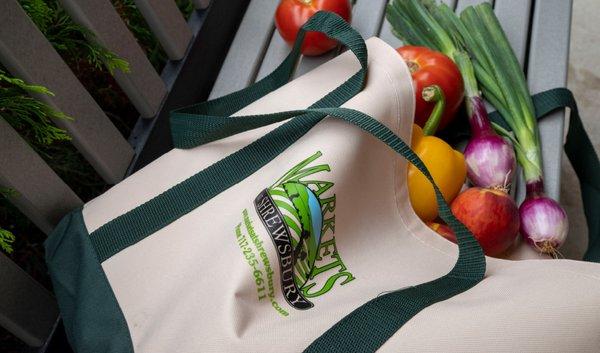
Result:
[{"x": 288, "y": 227}]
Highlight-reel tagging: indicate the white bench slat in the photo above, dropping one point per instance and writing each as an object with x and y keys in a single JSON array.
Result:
[
  {"x": 546, "y": 69},
  {"x": 27, "y": 310},
  {"x": 276, "y": 52},
  {"x": 366, "y": 19},
  {"x": 168, "y": 25},
  {"x": 142, "y": 84},
  {"x": 41, "y": 195},
  {"x": 389, "y": 37},
  {"x": 247, "y": 49},
  {"x": 21, "y": 47},
  {"x": 514, "y": 16}
]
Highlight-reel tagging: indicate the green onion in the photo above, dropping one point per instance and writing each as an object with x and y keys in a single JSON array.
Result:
[
  {"x": 490, "y": 158},
  {"x": 544, "y": 223},
  {"x": 504, "y": 83}
]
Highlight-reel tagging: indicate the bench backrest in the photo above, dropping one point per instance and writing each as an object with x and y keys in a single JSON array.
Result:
[{"x": 27, "y": 310}]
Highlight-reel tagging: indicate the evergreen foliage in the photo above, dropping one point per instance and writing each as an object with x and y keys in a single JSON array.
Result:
[
  {"x": 6, "y": 237},
  {"x": 71, "y": 40},
  {"x": 28, "y": 114},
  {"x": 20, "y": 103}
]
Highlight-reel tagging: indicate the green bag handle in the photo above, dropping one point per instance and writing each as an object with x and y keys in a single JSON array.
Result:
[
  {"x": 369, "y": 326},
  {"x": 187, "y": 123},
  {"x": 142, "y": 221},
  {"x": 376, "y": 320}
]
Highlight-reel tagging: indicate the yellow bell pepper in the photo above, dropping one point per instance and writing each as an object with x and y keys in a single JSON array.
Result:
[{"x": 446, "y": 165}]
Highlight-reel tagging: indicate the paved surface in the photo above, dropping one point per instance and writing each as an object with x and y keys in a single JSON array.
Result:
[{"x": 584, "y": 81}]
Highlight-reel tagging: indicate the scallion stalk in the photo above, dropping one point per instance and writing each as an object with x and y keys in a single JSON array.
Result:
[
  {"x": 490, "y": 158},
  {"x": 544, "y": 223}
]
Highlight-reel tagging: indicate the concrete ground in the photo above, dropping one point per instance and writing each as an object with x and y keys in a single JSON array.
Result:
[{"x": 584, "y": 81}]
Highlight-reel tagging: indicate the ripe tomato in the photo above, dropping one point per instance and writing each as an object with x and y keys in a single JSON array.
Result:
[
  {"x": 429, "y": 67},
  {"x": 292, "y": 14}
]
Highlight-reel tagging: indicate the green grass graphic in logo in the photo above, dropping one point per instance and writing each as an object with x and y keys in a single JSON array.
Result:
[{"x": 301, "y": 210}]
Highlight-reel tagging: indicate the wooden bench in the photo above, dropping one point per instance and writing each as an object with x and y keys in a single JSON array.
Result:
[{"x": 207, "y": 50}]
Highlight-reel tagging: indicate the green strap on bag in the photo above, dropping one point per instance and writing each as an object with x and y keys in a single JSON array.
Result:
[
  {"x": 360, "y": 331},
  {"x": 372, "y": 324}
]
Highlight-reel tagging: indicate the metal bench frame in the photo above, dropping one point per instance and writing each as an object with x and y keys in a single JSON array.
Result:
[{"x": 210, "y": 57}]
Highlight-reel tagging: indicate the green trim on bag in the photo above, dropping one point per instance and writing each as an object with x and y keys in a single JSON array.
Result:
[{"x": 91, "y": 314}]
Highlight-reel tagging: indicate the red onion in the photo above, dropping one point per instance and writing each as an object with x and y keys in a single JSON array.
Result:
[
  {"x": 544, "y": 223},
  {"x": 490, "y": 158}
]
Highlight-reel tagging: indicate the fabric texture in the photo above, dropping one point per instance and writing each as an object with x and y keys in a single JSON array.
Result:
[
  {"x": 91, "y": 315},
  {"x": 399, "y": 306},
  {"x": 192, "y": 253}
]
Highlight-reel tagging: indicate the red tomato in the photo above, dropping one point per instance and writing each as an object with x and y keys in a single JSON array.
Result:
[
  {"x": 429, "y": 67},
  {"x": 292, "y": 14}
]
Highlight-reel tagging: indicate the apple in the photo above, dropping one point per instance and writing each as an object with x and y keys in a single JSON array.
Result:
[
  {"x": 491, "y": 215},
  {"x": 442, "y": 230}
]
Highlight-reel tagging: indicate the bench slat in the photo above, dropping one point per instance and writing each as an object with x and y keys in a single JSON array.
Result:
[
  {"x": 27, "y": 310},
  {"x": 142, "y": 84},
  {"x": 21, "y": 47},
  {"x": 247, "y": 49},
  {"x": 168, "y": 25},
  {"x": 386, "y": 29},
  {"x": 514, "y": 16},
  {"x": 41, "y": 195},
  {"x": 546, "y": 69},
  {"x": 276, "y": 52}
]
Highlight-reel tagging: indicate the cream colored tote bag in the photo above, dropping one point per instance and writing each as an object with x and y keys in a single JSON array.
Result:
[{"x": 293, "y": 231}]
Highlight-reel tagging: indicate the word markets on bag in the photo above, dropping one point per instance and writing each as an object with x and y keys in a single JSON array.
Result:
[{"x": 297, "y": 212}]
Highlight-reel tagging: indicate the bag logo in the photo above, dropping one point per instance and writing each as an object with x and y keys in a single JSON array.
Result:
[
  {"x": 297, "y": 212},
  {"x": 292, "y": 211},
  {"x": 292, "y": 215}
]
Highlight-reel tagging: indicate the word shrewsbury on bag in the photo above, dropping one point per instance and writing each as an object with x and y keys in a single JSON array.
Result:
[{"x": 303, "y": 238}]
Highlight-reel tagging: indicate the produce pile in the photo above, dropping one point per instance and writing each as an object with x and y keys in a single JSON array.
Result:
[
  {"x": 480, "y": 51},
  {"x": 456, "y": 59}
]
